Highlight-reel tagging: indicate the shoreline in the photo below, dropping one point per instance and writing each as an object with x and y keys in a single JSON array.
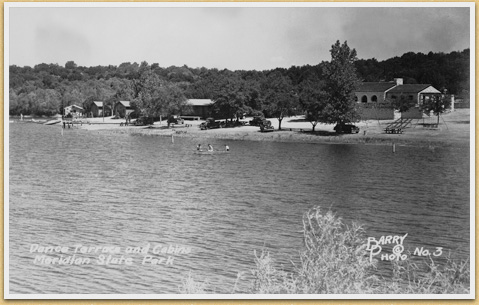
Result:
[
  {"x": 454, "y": 130},
  {"x": 289, "y": 137}
]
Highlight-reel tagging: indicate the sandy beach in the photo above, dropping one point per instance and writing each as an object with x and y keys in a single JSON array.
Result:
[{"x": 453, "y": 129}]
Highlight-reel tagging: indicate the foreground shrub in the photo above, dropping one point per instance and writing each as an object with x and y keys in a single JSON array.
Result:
[
  {"x": 429, "y": 277},
  {"x": 190, "y": 285},
  {"x": 335, "y": 261}
]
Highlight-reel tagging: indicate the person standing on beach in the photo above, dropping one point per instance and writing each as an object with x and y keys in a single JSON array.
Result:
[
  {"x": 210, "y": 148},
  {"x": 227, "y": 148},
  {"x": 198, "y": 147}
]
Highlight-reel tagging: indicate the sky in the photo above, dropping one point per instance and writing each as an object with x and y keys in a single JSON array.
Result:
[{"x": 235, "y": 38}]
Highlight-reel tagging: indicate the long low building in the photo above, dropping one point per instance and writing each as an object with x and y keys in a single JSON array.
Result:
[{"x": 200, "y": 108}]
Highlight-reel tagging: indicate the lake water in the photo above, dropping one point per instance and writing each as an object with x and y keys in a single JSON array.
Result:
[{"x": 99, "y": 189}]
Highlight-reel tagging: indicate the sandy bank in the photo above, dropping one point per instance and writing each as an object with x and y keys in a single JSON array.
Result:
[{"x": 454, "y": 129}]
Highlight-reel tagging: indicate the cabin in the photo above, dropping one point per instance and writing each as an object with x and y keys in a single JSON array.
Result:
[
  {"x": 74, "y": 110},
  {"x": 200, "y": 108},
  {"x": 123, "y": 109},
  {"x": 97, "y": 109}
]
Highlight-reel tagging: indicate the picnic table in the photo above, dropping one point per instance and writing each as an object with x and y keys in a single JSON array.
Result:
[
  {"x": 398, "y": 126},
  {"x": 393, "y": 130},
  {"x": 430, "y": 125}
]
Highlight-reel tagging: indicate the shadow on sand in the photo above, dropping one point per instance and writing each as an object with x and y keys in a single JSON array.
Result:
[
  {"x": 320, "y": 133},
  {"x": 298, "y": 120}
]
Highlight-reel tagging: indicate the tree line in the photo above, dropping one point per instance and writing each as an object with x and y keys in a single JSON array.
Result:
[{"x": 325, "y": 92}]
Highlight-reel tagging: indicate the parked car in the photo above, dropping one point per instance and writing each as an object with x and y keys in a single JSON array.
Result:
[
  {"x": 266, "y": 126},
  {"x": 143, "y": 121},
  {"x": 210, "y": 124},
  {"x": 176, "y": 120},
  {"x": 346, "y": 128},
  {"x": 233, "y": 123}
]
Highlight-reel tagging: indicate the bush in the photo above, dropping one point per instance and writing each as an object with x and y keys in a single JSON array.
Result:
[
  {"x": 191, "y": 286},
  {"x": 429, "y": 277},
  {"x": 335, "y": 261}
]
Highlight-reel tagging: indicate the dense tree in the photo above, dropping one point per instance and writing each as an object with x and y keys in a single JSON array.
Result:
[
  {"x": 230, "y": 101},
  {"x": 147, "y": 92},
  {"x": 128, "y": 70},
  {"x": 206, "y": 86},
  {"x": 80, "y": 85},
  {"x": 437, "y": 104},
  {"x": 40, "y": 101},
  {"x": 49, "y": 101},
  {"x": 402, "y": 104},
  {"x": 173, "y": 101},
  {"x": 71, "y": 65},
  {"x": 158, "y": 98},
  {"x": 280, "y": 98},
  {"x": 450, "y": 71},
  {"x": 341, "y": 82},
  {"x": 312, "y": 99}
]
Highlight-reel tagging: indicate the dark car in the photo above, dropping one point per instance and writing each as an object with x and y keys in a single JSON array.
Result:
[
  {"x": 143, "y": 121},
  {"x": 346, "y": 128},
  {"x": 210, "y": 124},
  {"x": 233, "y": 123},
  {"x": 266, "y": 126}
]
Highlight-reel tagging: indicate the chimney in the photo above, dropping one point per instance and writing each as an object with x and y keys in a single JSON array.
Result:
[{"x": 398, "y": 81}]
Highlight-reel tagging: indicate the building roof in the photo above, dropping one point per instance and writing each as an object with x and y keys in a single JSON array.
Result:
[
  {"x": 375, "y": 86},
  {"x": 409, "y": 88},
  {"x": 200, "y": 102},
  {"x": 99, "y": 104},
  {"x": 125, "y": 103},
  {"x": 74, "y": 106}
]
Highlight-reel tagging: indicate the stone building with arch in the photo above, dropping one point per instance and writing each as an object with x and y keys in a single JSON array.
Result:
[
  {"x": 373, "y": 92},
  {"x": 371, "y": 97},
  {"x": 374, "y": 98}
]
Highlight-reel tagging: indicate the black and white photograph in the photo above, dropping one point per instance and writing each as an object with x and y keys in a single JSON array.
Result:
[{"x": 239, "y": 150}]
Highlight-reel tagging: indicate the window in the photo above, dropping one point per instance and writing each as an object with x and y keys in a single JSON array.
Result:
[
  {"x": 410, "y": 97},
  {"x": 374, "y": 99},
  {"x": 364, "y": 99}
]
